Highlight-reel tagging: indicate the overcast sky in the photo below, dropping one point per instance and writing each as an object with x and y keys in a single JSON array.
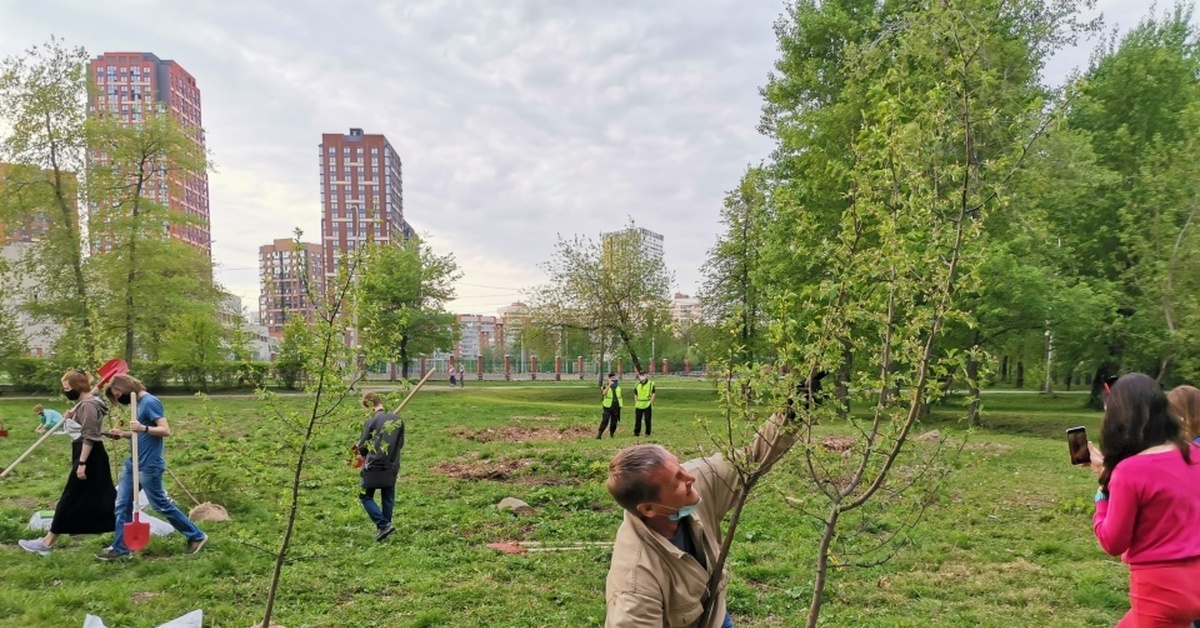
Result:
[{"x": 515, "y": 121}]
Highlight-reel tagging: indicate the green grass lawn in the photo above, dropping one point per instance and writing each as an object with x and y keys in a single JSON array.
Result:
[{"x": 1008, "y": 543}]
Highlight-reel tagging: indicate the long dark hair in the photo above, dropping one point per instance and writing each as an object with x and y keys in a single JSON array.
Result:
[{"x": 1135, "y": 419}]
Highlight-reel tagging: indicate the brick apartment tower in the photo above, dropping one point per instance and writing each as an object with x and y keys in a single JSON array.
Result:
[
  {"x": 128, "y": 83},
  {"x": 284, "y": 269},
  {"x": 362, "y": 197}
]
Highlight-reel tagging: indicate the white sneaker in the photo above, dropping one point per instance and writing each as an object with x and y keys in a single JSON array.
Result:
[{"x": 37, "y": 546}]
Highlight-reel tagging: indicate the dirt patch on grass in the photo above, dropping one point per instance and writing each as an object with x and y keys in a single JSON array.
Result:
[
  {"x": 516, "y": 471},
  {"x": 994, "y": 449},
  {"x": 522, "y": 434},
  {"x": 840, "y": 444},
  {"x": 143, "y": 596}
]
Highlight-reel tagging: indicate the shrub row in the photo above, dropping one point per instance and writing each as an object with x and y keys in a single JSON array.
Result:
[{"x": 42, "y": 375}]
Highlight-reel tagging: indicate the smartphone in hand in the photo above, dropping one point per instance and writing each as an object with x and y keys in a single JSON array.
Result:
[{"x": 1077, "y": 441}]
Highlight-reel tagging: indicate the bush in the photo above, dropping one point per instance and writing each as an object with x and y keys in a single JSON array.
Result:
[{"x": 33, "y": 374}]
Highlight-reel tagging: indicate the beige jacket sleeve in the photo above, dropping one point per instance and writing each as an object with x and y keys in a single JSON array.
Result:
[
  {"x": 718, "y": 477},
  {"x": 632, "y": 610}
]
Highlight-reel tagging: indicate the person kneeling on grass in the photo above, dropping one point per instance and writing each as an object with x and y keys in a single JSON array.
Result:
[
  {"x": 150, "y": 428},
  {"x": 380, "y": 444},
  {"x": 47, "y": 418}
]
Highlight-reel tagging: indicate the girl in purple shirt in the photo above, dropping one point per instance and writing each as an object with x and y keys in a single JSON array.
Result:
[{"x": 1148, "y": 508}]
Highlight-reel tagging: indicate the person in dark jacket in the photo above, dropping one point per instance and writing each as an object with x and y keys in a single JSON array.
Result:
[{"x": 380, "y": 444}]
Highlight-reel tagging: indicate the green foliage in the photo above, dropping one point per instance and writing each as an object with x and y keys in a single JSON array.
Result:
[
  {"x": 43, "y": 95},
  {"x": 610, "y": 289},
  {"x": 732, "y": 295},
  {"x": 33, "y": 374},
  {"x": 402, "y": 295},
  {"x": 289, "y": 364},
  {"x": 193, "y": 343}
]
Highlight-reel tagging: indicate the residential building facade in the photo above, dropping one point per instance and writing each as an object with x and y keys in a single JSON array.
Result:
[
  {"x": 650, "y": 242},
  {"x": 477, "y": 334},
  {"x": 291, "y": 282},
  {"x": 128, "y": 87},
  {"x": 362, "y": 195}
]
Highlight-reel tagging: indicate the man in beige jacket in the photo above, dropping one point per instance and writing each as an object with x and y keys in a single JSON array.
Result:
[{"x": 668, "y": 544}]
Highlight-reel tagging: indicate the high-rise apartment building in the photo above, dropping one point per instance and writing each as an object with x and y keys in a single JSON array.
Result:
[
  {"x": 650, "y": 242},
  {"x": 34, "y": 228},
  {"x": 129, "y": 85},
  {"x": 362, "y": 194},
  {"x": 289, "y": 274}
]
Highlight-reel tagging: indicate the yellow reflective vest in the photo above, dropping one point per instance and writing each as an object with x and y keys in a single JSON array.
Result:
[{"x": 613, "y": 392}]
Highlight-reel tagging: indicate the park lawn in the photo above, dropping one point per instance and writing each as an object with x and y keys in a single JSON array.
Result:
[{"x": 1008, "y": 543}]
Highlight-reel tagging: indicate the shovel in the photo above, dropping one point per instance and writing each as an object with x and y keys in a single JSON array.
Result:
[
  {"x": 137, "y": 532},
  {"x": 111, "y": 369}
]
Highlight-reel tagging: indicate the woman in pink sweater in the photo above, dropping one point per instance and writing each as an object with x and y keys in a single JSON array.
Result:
[{"x": 1148, "y": 507}]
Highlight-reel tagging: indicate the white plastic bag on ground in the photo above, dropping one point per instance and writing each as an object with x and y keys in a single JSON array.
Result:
[
  {"x": 42, "y": 519},
  {"x": 193, "y": 619}
]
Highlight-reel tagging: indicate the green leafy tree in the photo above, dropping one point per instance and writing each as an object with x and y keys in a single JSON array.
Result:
[
  {"x": 43, "y": 95},
  {"x": 731, "y": 295},
  {"x": 897, "y": 136},
  {"x": 610, "y": 289},
  {"x": 289, "y": 364},
  {"x": 195, "y": 345},
  {"x": 402, "y": 295},
  {"x": 1137, "y": 106},
  {"x": 333, "y": 369},
  {"x": 151, "y": 277}
]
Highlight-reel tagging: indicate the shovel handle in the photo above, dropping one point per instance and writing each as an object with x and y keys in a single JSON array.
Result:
[
  {"x": 413, "y": 391},
  {"x": 133, "y": 412},
  {"x": 33, "y": 447}
]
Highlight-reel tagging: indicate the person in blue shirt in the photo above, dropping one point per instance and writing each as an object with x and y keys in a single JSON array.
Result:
[
  {"x": 47, "y": 418},
  {"x": 150, "y": 428}
]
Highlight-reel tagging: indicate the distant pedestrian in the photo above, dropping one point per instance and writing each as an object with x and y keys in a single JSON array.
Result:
[
  {"x": 47, "y": 418},
  {"x": 380, "y": 444},
  {"x": 453, "y": 377},
  {"x": 610, "y": 404},
  {"x": 643, "y": 398}
]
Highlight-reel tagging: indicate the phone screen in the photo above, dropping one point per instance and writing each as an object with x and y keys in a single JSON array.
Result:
[{"x": 1078, "y": 442}]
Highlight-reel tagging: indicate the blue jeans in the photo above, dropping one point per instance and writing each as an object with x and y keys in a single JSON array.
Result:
[
  {"x": 151, "y": 483},
  {"x": 728, "y": 623},
  {"x": 387, "y": 495}
]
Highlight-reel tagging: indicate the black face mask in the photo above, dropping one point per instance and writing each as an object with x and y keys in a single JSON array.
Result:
[
  {"x": 123, "y": 399},
  {"x": 72, "y": 395}
]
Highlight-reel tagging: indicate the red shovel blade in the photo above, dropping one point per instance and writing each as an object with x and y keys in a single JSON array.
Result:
[
  {"x": 137, "y": 533},
  {"x": 111, "y": 369}
]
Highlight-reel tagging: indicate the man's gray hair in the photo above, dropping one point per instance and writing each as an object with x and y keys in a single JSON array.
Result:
[{"x": 629, "y": 475}]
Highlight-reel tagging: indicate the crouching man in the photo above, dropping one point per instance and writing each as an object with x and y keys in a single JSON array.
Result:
[{"x": 667, "y": 545}]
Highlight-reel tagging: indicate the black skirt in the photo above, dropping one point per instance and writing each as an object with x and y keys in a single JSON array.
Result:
[{"x": 87, "y": 506}]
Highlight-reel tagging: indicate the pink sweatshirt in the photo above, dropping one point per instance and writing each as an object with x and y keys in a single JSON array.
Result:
[{"x": 1152, "y": 514}]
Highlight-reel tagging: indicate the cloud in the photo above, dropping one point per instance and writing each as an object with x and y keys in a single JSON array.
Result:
[{"x": 515, "y": 121}]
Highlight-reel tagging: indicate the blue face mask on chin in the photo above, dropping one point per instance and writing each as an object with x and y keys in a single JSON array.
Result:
[{"x": 686, "y": 511}]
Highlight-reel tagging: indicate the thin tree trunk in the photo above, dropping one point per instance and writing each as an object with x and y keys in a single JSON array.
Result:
[
  {"x": 818, "y": 595},
  {"x": 1020, "y": 383},
  {"x": 973, "y": 392}
]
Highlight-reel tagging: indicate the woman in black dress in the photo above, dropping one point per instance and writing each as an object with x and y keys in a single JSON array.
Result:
[{"x": 88, "y": 501}]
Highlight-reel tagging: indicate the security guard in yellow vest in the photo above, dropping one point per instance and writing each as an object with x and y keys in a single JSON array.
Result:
[
  {"x": 643, "y": 396},
  {"x": 610, "y": 397}
]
